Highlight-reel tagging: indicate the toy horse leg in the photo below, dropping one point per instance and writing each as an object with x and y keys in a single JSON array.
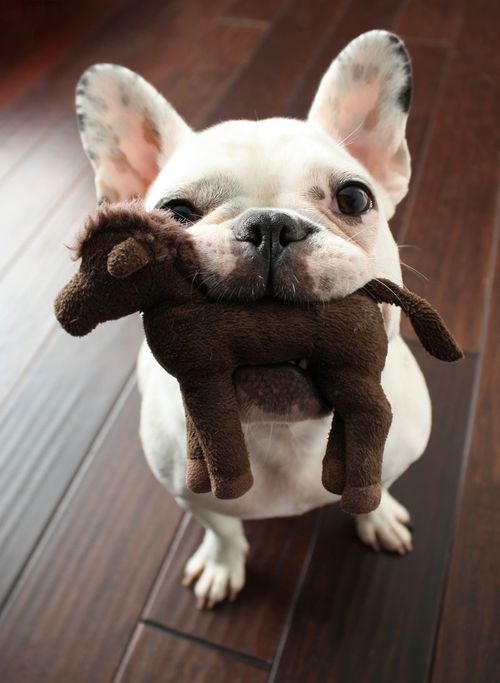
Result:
[
  {"x": 212, "y": 405},
  {"x": 367, "y": 416},
  {"x": 197, "y": 479},
  {"x": 333, "y": 475}
]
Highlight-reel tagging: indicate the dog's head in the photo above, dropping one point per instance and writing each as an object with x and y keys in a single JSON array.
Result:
[{"x": 279, "y": 207}]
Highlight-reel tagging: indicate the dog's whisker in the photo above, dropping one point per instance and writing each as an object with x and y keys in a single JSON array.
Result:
[
  {"x": 349, "y": 137},
  {"x": 402, "y": 263},
  {"x": 414, "y": 270}
]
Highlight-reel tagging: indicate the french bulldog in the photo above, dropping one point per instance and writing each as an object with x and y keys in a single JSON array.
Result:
[{"x": 292, "y": 209}]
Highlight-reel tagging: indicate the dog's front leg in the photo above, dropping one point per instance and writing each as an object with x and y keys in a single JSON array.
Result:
[{"x": 217, "y": 568}]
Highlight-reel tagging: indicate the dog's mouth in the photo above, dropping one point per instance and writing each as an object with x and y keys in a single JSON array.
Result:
[{"x": 284, "y": 392}]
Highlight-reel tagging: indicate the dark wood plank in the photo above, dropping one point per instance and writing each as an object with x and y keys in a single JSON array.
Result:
[
  {"x": 32, "y": 190},
  {"x": 453, "y": 207},
  {"x": 28, "y": 320},
  {"x": 277, "y": 551},
  {"x": 72, "y": 615},
  {"x": 265, "y": 83},
  {"x": 478, "y": 41},
  {"x": 429, "y": 69},
  {"x": 431, "y": 20},
  {"x": 368, "y": 617},
  {"x": 453, "y": 210},
  {"x": 25, "y": 122},
  {"x": 163, "y": 658},
  {"x": 28, "y": 46},
  {"x": 347, "y": 24},
  {"x": 468, "y": 645},
  {"x": 256, "y": 10},
  {"x": 212, "y": 65},
  {"x": 49, "y": 424}
]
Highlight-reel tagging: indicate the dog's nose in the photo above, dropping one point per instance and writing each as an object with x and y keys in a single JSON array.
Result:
[{"x": 270, "y": 232}]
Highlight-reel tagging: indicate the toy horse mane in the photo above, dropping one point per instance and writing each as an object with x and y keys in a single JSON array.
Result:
[{"x": 157, "y": 229}]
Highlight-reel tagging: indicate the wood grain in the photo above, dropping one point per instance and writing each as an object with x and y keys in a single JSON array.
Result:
[
  {"x": 30, "y": 285},
  {"x": 453, "y": 212},
  {"x": 454, "y": 197},
  {"x": 164, "y": 658},
  {"x": 265, "y": 83},
  {"x": 49, "y": 424},
  {"x": 28, "y": 47},
  {"x": 348, "y": 23},
  {"x": 368, "y": 617},
  {"x": 253, "y": 624},
  {"x": 72, "y": 615},
  {"x": 26, "y": 119},
  {"x": 212, "y": 64},
  {"x": 429, "y": 70},
  {"x": 255, "y": 10},
  {"x": 431, "y": 20},
  {"x": 468, "y": 646}
]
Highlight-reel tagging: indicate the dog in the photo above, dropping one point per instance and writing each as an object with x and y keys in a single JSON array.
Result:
[{"x": 279, "y": 207}]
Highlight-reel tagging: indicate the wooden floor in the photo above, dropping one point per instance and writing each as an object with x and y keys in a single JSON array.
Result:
[{"x": 91, "y": 547}]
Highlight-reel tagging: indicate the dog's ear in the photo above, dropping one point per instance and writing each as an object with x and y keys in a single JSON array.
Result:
[
  {"x": 127, "y": 128},
  {"x": 127, "y": 257},
  {"x": 363, "y": 102}
]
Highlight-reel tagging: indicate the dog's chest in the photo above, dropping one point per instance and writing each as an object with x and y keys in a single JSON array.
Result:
[{"x": 286, "y": 465}]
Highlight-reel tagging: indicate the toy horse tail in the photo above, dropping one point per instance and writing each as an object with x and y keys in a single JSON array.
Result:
[{"x": 426, "y": 321}]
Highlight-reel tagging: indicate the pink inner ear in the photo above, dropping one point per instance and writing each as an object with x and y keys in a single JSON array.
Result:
[
  {"x": 128, "y": 164},
  {"x": 354, "y": 111}
]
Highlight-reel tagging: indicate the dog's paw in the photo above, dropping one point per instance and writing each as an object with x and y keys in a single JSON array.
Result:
[
  {"x": 217, "y": 570},
  {"x": 385, "y": 528}
]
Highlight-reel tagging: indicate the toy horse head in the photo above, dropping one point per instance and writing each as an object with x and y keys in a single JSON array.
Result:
[{"x": 129, "y": 261}]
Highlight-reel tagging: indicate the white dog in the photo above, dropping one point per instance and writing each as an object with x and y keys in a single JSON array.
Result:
[{"x": 294, "y": 209}]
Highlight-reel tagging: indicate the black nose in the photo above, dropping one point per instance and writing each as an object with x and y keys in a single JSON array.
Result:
[{"x": 271, "y": 232}]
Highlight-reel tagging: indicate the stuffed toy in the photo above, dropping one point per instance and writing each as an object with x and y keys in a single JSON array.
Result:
[{"x": 132, "y": 260}]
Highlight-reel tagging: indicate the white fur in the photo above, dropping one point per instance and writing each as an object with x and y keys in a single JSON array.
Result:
[{"x": 271, "y": 165}]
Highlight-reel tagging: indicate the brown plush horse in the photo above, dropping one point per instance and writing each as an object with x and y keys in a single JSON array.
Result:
[{"x": 132, "y": 260}]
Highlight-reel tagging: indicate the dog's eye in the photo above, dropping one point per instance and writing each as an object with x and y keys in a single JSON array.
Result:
[
  {"x": 354, "y": 199},
  {"x": 183, "y": 210}
]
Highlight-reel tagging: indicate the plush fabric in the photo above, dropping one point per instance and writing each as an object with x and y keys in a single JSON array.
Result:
[{"x": 132, "y": 260}]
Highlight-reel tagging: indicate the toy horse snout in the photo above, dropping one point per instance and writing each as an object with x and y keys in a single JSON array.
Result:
[{"x": 71, "y": 308}]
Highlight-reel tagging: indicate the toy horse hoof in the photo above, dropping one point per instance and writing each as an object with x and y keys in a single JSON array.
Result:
[
  {"x": 232, "y": 488},
  {"x": 333, "y": 476},
  {"x": 359, "y": 500},
  {"x": 197, "y": 479}
]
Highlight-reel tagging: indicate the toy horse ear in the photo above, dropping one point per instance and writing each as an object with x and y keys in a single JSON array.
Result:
[{"x": 127, "y": 257}]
